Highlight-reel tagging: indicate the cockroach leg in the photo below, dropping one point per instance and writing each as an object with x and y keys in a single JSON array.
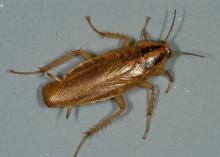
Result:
[
  {"x": 122, "y": 106},
  {"x": 69, "y": 109},
  {"x": 167, "y": 74},
  {"x": 86, "y": 55},
  {"x": 62, "y": 59},
  {"x": 146, "y": 35},
  {"x": 150, "y": 106},
  {"x": 170, "y": 79},
  {"x": 126, "y": 40},
  {"x": 54, "y": 77}
]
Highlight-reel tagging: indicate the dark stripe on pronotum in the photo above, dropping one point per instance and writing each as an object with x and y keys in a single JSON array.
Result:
[
  {"x": 148, "y": 49},
  {"x": 158, "y": 58},
  {"x": 152, "y": 61}
]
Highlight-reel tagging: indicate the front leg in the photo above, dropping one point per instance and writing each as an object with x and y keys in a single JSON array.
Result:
[{"x": 168, "y": 75}]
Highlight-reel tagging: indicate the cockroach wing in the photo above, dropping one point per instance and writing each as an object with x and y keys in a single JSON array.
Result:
[{"x": 112, "y": 81}]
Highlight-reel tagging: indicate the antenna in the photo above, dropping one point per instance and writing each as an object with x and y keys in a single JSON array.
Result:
[
  {"x": 171, "y": 27},
  {"x": 186, "y": 53}
]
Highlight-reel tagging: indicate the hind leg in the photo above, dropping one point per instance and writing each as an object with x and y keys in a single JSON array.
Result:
[
  {"x": 122, "y": 106},
  {"x": 64, "y": 58}
]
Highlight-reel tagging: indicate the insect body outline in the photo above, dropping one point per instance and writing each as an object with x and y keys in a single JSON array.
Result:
[{"x": 109, "y": 75}]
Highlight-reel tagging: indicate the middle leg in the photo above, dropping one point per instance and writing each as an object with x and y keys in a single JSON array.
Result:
[
  {"x": 150, "y": 106},
  {"x": 126, "y": 40}
]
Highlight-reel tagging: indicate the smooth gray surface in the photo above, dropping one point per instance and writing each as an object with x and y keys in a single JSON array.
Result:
[{"x": 186, "y": 121}]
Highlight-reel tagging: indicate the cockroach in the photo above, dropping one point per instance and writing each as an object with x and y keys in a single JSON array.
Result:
[{"x": 109, "y": 75}]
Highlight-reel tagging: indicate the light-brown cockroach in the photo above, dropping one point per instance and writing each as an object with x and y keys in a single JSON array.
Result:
[{"x": 109, "y": 75}]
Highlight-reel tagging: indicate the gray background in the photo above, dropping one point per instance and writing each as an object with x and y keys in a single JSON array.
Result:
[{"x": 186, "y": 121}]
